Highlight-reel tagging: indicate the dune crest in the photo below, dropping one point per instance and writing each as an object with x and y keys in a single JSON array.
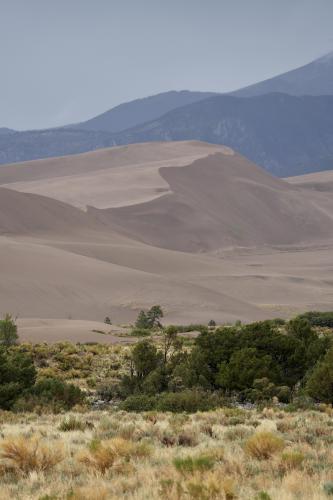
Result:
[{"x": 223, "y": 201}]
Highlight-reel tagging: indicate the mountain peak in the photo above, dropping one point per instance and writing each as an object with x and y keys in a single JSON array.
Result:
[{"x": 326, "y": 59}]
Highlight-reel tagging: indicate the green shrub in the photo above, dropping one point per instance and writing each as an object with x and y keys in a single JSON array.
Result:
[
  {"x": 188, "y": 401},
  {"x": 139, "y": 403},
  {"x": 8, "y": 331},
  {"x": 17, "y": 374},
  {"x": 263, "y": 495},
  {"x": 316, "y": 318},
  {"x": 53, "y": 394},
  {"x": 320, "y": 383},
  {"x": 328, "y": 488}
]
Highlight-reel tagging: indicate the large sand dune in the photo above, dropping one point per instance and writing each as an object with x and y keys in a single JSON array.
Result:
[
  {"x": 111, "y": 177},
  {"x": 319, "y": 181},
  {"x": 268, "y": 241},
  {"x": 222, "y": 201}
]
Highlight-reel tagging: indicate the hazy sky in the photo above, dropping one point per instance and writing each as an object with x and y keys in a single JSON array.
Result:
[{"x": 64, "y": 61}]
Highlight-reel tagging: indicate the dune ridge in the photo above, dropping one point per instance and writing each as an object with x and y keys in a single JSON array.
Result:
[{"x": 223, "y": 240}]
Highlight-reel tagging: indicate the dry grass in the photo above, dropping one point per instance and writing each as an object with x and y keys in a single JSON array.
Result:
[
  {"x": 124, "y": 455},
  {"x": 263, "y": 445},
  {"x": 101, "y": 456},
  {"x": 27, "y": 455}
]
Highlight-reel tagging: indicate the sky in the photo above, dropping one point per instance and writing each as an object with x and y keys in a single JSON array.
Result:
[{"x": 64, "y": 61}]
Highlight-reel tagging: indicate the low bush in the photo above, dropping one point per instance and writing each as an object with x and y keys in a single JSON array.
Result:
[
  {"x": 188, "y": 401},
  {"x": 328, "y": 488},
  {"x": 316, "y": 318},
  {"x": 50, "y": 394},
  {"x": 140, "y": 332},
  {"x": 138, "y": 403},
  {"x": 263, "y": 445}
]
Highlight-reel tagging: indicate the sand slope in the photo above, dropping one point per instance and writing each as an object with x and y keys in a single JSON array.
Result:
[
  {"x": 42, "y": 330},
  {"x": 222, "y": 201},
  {"x": 256, "y": 246},
  {"x": 319, "y": 181},
  {"x": 111, "y": 177},
  {"x": 25, "y": 213},
  {"x": 41, "y": 281}
]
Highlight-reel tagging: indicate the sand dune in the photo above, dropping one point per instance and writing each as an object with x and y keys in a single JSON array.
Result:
[
  {"x": 25, "y": 213},
  {"x": 41, "y": 281},
  {"x": 319, "y": 181},
  {"x": 42, "y": 330},
  {"x": 222, "y": 201},
  {"x": 111, "y": 177},
  {"x": 201, "y": 231}
]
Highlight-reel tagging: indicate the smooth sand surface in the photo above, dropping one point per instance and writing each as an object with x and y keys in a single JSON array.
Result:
[
  {"x": 106, "y": 178},
  {"x": 226, "y": 242},
  {"x": 222, "y": 201},
  {"x": 42, "y": 330},
  {"x": 318, "y": 181}
]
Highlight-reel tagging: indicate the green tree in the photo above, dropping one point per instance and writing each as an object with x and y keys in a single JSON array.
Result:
[
  {"x": 171, "y": 343},
  {"x": 300, "y": 328},
  {"x": 142, "y": 321},
  {"x": 244, "y": 367},
  {"x": 17, "y": 374},
  {"x": 8, "y": 331},
  {"x": 145, "y": 358},
  {"x": 320, "y": 383},
  {"x": 154, "y": 315},
  {"x": 149, "y": 319}
]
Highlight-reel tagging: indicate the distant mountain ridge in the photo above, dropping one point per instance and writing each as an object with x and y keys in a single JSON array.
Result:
[
  {"x": 6, "y": 131},
  {"x": 287, "y": 135},
  {"x": 314, "y": 78},
  {"x": 130, "y": 114},
  {"x": 274, "y": 123}
]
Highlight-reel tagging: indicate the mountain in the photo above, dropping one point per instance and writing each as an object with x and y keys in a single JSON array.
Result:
[
  {"x": 315, "y": 78},
  {"x": 222, "y": 200},
  {"x": 130, "y": 114},
  {"x": 6, "y": 131},
  {"x": 288, "y": 135},
  {"x": 35, "y": 144}
]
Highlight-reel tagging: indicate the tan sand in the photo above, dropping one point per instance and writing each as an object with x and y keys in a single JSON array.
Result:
[
  {"x": 106, "y": 178},
  {"x": 256, "y": 246},
  {"x": 223, "y": 201},
  {"x": 42, "y": 330}
]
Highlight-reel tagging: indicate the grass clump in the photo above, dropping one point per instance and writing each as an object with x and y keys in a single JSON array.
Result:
[
  {"x": 292, "y": 460},
  {"x": 102, "y": 455},
  {"x": 189, "y": 465},
  {"x": 28, "y": 455},
  {"x": 263, "y": 445},
  {"x": 74, "y": 424},
  {"x": 199, "y": 463}
]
